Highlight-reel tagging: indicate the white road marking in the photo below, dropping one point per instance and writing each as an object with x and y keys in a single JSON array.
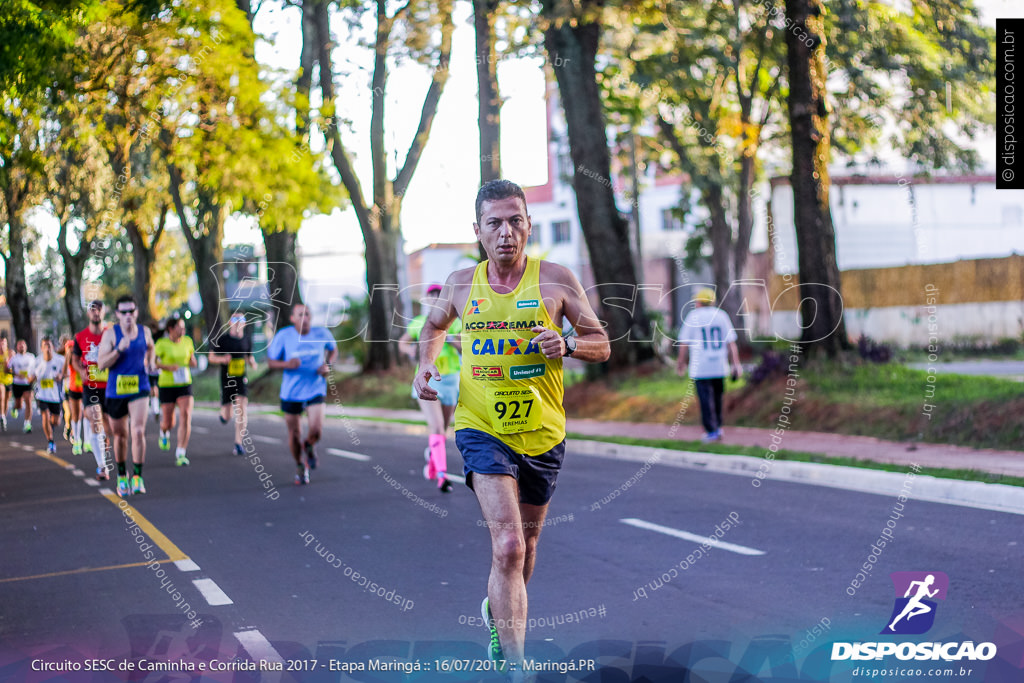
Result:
[
  {"x": 78, "y": 473},
  {"x": 455, "y": 477},
  {"x": 348, "y": 454},
  {"x": 265, "y": 439},
  {"x": 258, "y": 647},
  {"x": 92, "y": 482},
  {"x": 187, "y": 565},
  {"x": 687, "y": 536},
  {"x": 212, "y": 592},
  {"x": 106, "y": 492},
  {"x": 200, "y": 430}
]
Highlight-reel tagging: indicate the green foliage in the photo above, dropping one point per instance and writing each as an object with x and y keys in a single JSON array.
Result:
[{"x": 350, "y": 333}]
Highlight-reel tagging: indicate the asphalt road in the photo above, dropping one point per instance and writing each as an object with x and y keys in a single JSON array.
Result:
[{"x": 370, "y": 564}]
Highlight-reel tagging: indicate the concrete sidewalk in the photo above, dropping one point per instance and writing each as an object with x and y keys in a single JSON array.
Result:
[{"x": 1009, "y": 463}]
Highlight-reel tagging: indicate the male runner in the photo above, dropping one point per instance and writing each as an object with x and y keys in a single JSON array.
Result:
[
  {"x": 22, "y": 365},
  {"x": 94, "y": 386},
  {"x": 73, "y": 396},
  {"x": 510, "y": 423},
  {"x": 6, "y": 380},
  {"x": 48, "y": 373},
  {"x": 126, "y": 349},
  {"x": 305, "y": 353},
  {"x": 709, "y": 331},
  {"x": 175, "y": 357},
  {"x": 233, "y": 352}
]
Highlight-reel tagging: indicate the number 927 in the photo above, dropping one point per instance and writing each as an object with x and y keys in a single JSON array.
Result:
[{"x": 512, "y": 408}]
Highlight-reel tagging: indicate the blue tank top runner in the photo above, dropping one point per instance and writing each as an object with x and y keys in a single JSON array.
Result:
[{"x": 128, "y": 376}]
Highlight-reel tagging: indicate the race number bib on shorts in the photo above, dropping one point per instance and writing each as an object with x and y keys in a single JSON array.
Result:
[
  {"x": 127, "y": 384},
  {"x": 46, "y": 384},
  {"x": 97, "y": 375},
  {"x": 513, "y": 409},
  {"x": 181, "y": 376},
  {"x": 236, "y": 367}
]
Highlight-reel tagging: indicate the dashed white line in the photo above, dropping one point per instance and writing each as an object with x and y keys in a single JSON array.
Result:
[
  {"x": 187, "y": 565},
  {"x": 348, "y": 454},
  {"x": 106, "y": 492},
  {"x": 200, "y": 430},
  {"x": 258, "y": 647},
  {"x": 78, "y": 473},
  {"x": 455, "y": 477},
  {"x": 92, "y": 482},
  {"x": 212, "y": 592},
  {"x": 265, "y": 439},
  {"x": 687, "y": 536}
]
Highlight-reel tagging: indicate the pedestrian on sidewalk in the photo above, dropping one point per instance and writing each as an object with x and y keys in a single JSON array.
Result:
[
  {"x": 707, "y": 337},
  {"x": 438, "y": 413}
]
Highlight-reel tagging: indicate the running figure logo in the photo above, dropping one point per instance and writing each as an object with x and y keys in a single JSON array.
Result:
[{"x": 914, "y": 612}]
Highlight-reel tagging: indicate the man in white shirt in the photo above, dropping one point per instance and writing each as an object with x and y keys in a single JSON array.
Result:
[
  {"x": 23, "y": 365},
  {"x": 708, "y": 330}
]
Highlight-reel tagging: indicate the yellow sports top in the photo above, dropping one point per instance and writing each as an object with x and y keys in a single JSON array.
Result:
[{"x": 507, "y": 387}]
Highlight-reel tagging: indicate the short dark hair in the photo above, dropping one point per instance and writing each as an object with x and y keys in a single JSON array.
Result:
[
  {"x": 494, "y": 190},
  {"x": 125, "y": 299}
]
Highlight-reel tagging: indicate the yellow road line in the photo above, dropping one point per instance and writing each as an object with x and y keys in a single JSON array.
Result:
[
  {"x": 174, "y": 553},
  {"x": 83, "y": 570},
  {"x": 53, "y": 458}
]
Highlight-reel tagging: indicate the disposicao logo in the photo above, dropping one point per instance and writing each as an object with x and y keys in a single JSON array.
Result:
[
  {"x": 913, "y": 613},
  {"x": 914, "y": 609}
]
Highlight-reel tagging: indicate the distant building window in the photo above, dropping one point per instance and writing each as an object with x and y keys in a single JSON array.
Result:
[
  {"x": 560, "y": 232},
  {"x": 670, "y": 221},
  {"x": 565, "y": 170},
  {"x": 535, "y": 235},
  {"x": 1013, "y": 215}
]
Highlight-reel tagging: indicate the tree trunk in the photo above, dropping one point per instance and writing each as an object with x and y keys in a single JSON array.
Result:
[
  {"x": 282, "y": 275},
  {"x": 73, "y": 293},
  {"x": 489, "y": 97},
  {"x": 821, "y": 306},
  {"x": 379, "y": 220},
  {"x": 142, "y": 261},
  {"x": 572, "y": 50},
  {"x": 15, "y": 284}
]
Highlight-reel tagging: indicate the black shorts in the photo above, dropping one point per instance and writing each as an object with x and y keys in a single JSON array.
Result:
[
  {"x": 234, "y": 386},
  {"x": 485, "y": 454},
  {"x": 172, "y": 394},
  {"x": 74, "y": 395},
  {"x": 51, "y": 406},
  {"x": 117, "y": 408},
  {"x": 296, "y": 407},
  {"x": 95, "y": 396},
  {"x": 20, "y": 390},
  {"x": 154, "y": 381}
]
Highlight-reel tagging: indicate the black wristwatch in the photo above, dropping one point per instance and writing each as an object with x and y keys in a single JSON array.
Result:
[{"x": 570, "y": 346}]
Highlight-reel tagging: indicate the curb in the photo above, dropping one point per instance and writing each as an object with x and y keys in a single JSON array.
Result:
[{"x": 973, "y": 494}]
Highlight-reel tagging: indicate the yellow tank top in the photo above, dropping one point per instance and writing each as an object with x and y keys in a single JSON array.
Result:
[
  {"x": 507, "y": 388},
  {"x": 5, "y": 377}
]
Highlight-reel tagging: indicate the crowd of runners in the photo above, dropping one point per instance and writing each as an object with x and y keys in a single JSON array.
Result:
[{"x": 489, "y": 346}]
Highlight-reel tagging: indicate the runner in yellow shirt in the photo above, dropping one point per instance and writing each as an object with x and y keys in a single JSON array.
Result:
[
  {"x": 175, "y": 357},
  {"x": 510, "y": 423},
  {"x": 6, "y": 380}
]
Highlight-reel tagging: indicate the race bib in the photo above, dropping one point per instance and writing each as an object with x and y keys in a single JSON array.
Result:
[
  {"x": 127, "y": 384},
  {"x": 97, "y": 375},
  {"x": 22, "y": 374},
  {"x": 513, "y": 409},
  {"x": 181, "y": 376},
  {"x": 46, "y": 384},
  {"x": 236, "y": 367}
]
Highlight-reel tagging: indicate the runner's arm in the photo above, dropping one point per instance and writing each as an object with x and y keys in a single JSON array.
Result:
[
  {"x": 150, "y": 348},
  {"x": 107, "y": 354},
  {"x": 432, "y": 337}
]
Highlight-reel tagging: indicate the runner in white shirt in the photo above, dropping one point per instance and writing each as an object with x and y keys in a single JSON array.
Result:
[
  {"x": 708, "y": 334},
  {"x": 22, "y": 365},
  {"x": 49, "y": 373}
]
